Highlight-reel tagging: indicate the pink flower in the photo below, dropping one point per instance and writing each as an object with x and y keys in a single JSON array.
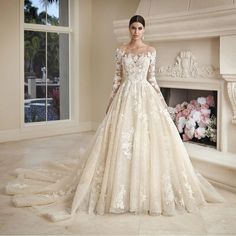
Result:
[
  {"x": 185, "y": 137},
  {"x": 194, "y": 103},
  {"x": 184, "y": 104},
  {"x": 205, "y": 106},
  {"x": 178, "y": 116},
  {"x": 210, "y": 101},
  {"x": 190, "y": 107},
  {"x": 186, "y": 112},
  {"x": 204, "y": 121}
]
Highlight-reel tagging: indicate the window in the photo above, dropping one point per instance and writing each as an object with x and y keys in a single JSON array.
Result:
[{"x": 46, "y": 60}]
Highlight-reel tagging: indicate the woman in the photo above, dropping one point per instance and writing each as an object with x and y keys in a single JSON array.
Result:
[{"x": 136, "y": 161}]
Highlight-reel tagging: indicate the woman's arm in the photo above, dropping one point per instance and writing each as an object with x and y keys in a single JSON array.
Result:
[
  {"x": 117, "y": 78},
  {"x": 151, "y": 77}
]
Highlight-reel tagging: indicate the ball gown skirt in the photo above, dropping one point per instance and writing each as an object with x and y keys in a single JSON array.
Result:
[{"x": 136, "y": 161}]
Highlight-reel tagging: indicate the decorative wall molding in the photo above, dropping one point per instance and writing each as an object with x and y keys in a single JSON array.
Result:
[
  {"x": 186, "y": 66},
  {"x": 231, "y": 88},
  {"x": 204, "y": 23}
]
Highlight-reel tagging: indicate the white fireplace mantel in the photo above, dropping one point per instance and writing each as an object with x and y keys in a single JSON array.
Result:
[{"x": 212, "y": 22}]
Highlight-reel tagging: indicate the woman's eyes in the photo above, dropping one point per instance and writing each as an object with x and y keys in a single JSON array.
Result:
[{"x": 139, "y": 28}]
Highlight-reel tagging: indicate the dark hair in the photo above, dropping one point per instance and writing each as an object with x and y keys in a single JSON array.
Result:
[{"x": 137, "y": 18}]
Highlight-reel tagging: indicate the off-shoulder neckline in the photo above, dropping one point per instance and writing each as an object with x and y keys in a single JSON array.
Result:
[{"x": 148, "y": 52}]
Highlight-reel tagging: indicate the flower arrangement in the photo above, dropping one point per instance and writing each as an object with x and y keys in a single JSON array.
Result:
[{"x": 196, "y": 120}]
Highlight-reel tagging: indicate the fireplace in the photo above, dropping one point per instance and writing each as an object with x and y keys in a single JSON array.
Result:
[
  {"x": 185, "y": 82},
  {"x": 196, "y": 56}
]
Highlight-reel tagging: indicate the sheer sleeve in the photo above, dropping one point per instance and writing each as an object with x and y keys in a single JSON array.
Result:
[
  {"x": 151, "y": 77},
  {"x": 117, "y": 77}
]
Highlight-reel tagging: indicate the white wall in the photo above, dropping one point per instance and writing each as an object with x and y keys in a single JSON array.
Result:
[
  {"x": 85, "y": 62},
  {"x": 9, "y": 65},
  {"x": 104, "y": 43}
]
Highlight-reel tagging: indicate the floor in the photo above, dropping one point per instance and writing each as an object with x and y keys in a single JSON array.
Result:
[{"x": 215, "y": 219}]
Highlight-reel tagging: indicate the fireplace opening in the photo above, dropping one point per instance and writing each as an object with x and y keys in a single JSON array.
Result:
[{"x": 194, "y": 113}]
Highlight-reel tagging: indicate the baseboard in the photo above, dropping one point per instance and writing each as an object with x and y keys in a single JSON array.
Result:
[
  {"x": 95, "y": 125},
  {"x": 218, "y": 167},
  {"x": 39, "y": 131},
  {"x": 223, "y": 186}
]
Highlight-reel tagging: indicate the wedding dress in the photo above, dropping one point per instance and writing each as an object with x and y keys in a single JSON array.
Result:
[{"x": 136, "y": 161}]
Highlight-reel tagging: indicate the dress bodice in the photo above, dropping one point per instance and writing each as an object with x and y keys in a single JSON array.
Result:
[{"x": 135, "y": 67}]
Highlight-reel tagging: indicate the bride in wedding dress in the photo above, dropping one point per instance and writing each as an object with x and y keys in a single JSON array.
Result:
[{"x": 136, "y": 161}]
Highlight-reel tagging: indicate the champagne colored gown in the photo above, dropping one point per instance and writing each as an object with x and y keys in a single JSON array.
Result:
[{"x": 136, "y": 161}]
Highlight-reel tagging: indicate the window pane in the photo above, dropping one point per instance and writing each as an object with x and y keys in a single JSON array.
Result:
[
  {"x": 35, "y": 11},
  {"x": 58, "y": 76},
  {"x": 35, "y": 76},
  {"x": 57, "y": 12}
]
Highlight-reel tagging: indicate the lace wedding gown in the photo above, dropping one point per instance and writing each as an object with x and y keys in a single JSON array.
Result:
[{"x": 136, "y": 161}]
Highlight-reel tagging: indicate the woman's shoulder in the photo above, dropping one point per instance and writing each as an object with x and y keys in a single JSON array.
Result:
[
  {"x": 147, "y": 48},
  {"x": 151, "y": 49},
  {"x": 122, "y": 48}
]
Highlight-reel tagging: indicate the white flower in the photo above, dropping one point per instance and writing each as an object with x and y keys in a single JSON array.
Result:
[
  {"x": 171, "y": 110},
  {"x": 181, "y": 124},
  {"x": 196, "y": 115},
  {"x": 201, "y": 100},
  {"x": 189, "y": 132},
  {"x": 200, "y": 132},
  {"x": 190, "y": 123},
  {"x": 206, "y": 112}
]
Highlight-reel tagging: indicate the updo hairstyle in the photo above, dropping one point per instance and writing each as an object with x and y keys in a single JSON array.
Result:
[{"x": 137, "y": 18}]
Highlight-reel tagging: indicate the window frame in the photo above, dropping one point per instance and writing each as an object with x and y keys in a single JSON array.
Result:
[{"x": 45, "y": 29}]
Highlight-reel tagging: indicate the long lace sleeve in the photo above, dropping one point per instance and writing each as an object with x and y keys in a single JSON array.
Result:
[
  {"x": 117, "y": 78},
  {"x": 151, "y": 77}
]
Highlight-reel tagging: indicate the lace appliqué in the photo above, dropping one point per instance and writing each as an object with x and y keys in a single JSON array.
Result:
[
  {"x": 179, "y": 200},
  {"x": 120, "y": 198},
  {"x": 118, "y": 75},
  {"x": 151, "y": 78},
  {"x": 143, "y": 196},
  {"x": 167, "y": 189},
  {"x": 127, "y": 143},
  {"x": 19, "y": 186},
  {"x": 187, "y": 186}
]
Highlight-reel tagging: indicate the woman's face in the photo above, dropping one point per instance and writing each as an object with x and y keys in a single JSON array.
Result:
[{"x": 136, "y": 30}]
